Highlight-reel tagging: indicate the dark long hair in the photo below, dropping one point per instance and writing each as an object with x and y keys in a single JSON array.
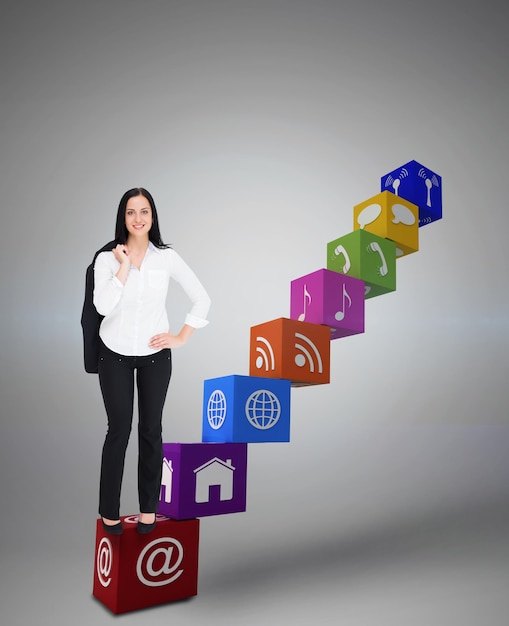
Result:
[{"x": 121, "y": 232}]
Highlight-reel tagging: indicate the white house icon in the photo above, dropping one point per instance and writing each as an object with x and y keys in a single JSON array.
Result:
[
  {"x": 166, "y": 480},
  {"x": 214, "y": 472}
]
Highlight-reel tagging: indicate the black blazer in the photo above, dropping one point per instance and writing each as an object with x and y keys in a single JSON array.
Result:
[{"x": 90, "y": 318}]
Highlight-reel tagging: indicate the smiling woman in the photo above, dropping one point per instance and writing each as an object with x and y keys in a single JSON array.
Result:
[
  {"x": 138, "y": 221},
  {"x": 130, "y": 287}
]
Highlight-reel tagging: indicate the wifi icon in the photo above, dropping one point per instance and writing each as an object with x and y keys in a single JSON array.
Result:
[
  {"x": 389, "y": 181},
  {"x": 395, "y": 182},
  {"x": 266, "y": 359},
  {"x": 308, "y": 354},
  {"x": 291, "y": 349}
]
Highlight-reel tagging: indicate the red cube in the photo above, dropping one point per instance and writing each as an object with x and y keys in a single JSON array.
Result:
[{"x": 134, "y": 571}]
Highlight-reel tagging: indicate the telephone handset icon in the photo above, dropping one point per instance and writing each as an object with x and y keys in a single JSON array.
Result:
[
  {"x": 340, "y": 250},
  {"x": 374, "y": 246}
]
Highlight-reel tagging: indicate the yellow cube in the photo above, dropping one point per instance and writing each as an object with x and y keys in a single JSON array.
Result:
[{"x": 391, "y": 217}]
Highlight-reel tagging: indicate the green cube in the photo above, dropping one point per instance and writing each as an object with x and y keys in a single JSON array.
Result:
[{"x": 366, "y": 256}]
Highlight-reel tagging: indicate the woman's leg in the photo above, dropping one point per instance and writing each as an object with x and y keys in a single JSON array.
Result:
[
  {"x": 116, "y": 377},
  {"x": 153, "y": 377}
]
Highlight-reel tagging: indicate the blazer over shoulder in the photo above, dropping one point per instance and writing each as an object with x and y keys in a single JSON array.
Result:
[{"x": 90, "y": 318}]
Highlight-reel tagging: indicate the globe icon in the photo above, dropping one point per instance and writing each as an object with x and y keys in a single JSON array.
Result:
[
  {"x": 216, "y": 409},
  {"x": 263, "y": 409}
]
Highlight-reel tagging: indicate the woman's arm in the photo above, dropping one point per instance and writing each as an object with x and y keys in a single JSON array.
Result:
[
  {"x": 168, "y": 340},
  {"x": 196, "y": 318},
  {"x": 187, "y": 279},
  {"x": 110, "y": 275}
]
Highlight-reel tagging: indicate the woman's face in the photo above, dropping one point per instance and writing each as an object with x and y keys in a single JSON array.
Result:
[{"x": 138, "y": 216}]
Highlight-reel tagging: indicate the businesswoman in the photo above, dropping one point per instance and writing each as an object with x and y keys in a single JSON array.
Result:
[{"x": 130, "y": 289}]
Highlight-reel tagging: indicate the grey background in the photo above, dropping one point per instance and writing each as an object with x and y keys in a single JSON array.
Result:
[{"x": 257, "y": 126}]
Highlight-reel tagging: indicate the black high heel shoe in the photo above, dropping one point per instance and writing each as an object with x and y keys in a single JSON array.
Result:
[
  {"x": 143, "y": 528},
  {"x": 112, "y": 529}
]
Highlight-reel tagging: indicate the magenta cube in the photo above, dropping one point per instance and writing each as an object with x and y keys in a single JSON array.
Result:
[
  {"x": 202, "y": 479},
  {"x": 329, "y": 298}
]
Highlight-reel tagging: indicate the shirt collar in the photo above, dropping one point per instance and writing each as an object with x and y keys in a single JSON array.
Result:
[{"x": 153, "y": 248}]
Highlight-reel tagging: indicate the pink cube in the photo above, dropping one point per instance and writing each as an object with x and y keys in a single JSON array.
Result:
[{"x": 329, "y": 298}]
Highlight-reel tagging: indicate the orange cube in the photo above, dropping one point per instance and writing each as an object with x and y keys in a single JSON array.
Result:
[{"x": 292, "y": 350}]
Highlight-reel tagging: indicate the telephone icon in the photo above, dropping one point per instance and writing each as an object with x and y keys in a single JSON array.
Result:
[
  {"x": 374, "y": 246},
  {"x": 340, "y": 250}
]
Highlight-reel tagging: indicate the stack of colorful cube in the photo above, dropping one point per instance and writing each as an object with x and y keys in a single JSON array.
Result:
[{"x": 209, "y": 478}]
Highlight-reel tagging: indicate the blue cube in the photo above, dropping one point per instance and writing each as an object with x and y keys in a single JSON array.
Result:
[
  {"x": 418, "y": 185},
  {"x": 246, "y": 409}
]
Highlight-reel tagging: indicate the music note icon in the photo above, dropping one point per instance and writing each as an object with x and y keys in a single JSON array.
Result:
[
  {"x": 340, "y": 315},
  {"x": 306, "y": 300}
]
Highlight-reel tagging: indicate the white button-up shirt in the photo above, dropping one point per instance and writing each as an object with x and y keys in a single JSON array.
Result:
[{"x": 136, "y": 311}]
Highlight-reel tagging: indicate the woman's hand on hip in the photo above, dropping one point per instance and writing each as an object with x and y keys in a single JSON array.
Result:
[
  {"x": 165, "y": 340},
  {"x": 168, "y": 340}
]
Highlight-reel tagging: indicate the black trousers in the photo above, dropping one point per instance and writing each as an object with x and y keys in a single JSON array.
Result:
[{"x": 117, "y": 374}]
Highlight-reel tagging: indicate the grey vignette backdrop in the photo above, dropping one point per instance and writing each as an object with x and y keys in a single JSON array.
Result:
[{"x": 257, "y": 126}]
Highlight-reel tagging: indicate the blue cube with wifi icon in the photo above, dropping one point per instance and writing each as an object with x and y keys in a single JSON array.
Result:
[
  {"x": 246, "y": 409},
  {"x": 419, "y": 185}
]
